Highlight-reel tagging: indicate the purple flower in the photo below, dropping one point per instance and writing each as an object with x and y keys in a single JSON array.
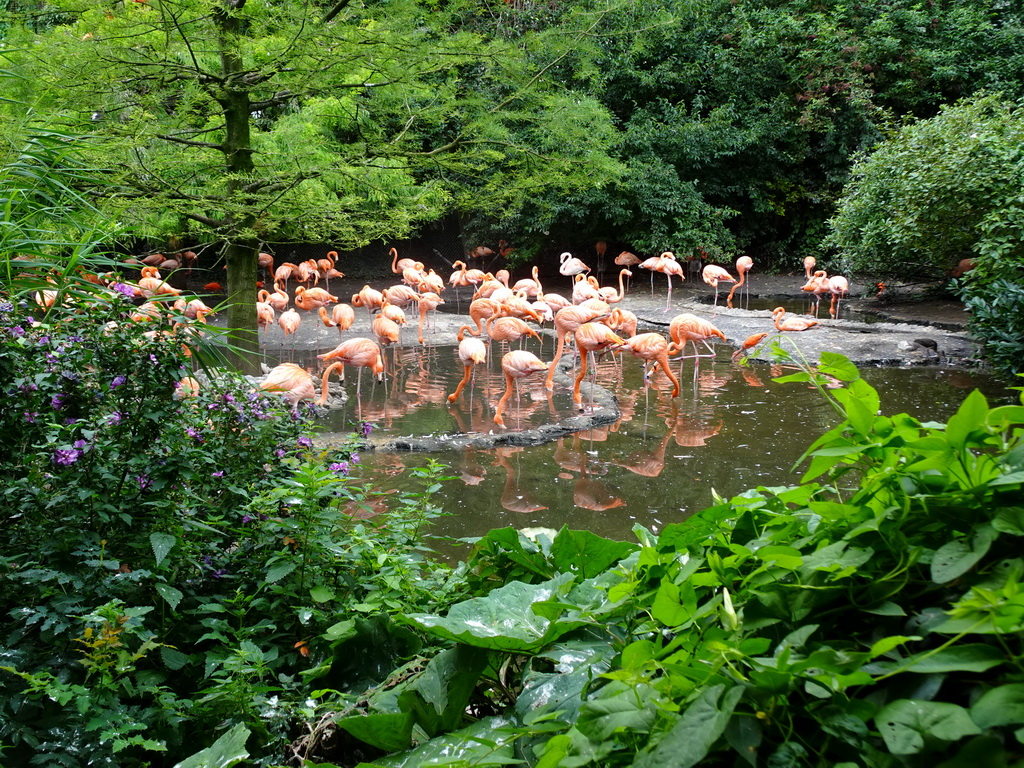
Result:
[
  {"x": 246, "y": 518},
  {"x": 354, "y": 458},
  {"x": 30, "y": 320},
  {"x": 340, "y": 467},
  {"x": 30, "y": 416},
  {"x": 6, "y": 306},
  {"x": 219, "y": 573},
  {"x": 305, "y": 442},
  {"x": 115, "y": 418},
  {"x": 218, "y": 473},
  {"x": 118, "y": 381},
  {"x": 144, "y": 482},
  {"x": 80, "y": 445},
  {"x": 280, "y": 453},
  {"x": 367, "y": 428},
  {"x": 195, "y": 434},
  {"x": 17, "y": 331},
  {"x": 124, "y": 290},
  {"x": 65, "y": 457},
  {"x": 152, "y": 359},
  {"x": 228, "y": 397},
  {"x": 57, "y": 402},
  {"x": 43, "y": 340}
]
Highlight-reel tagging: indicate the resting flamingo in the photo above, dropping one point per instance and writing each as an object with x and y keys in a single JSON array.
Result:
[
  {"x": 343, "y": 316},
  {"x": 289, "y": 321},
  {"x": 791, "y": 323},
  {"x": 530, "y": 286},
  {"x": 368, "y": 297},
  {"x": 472, "y": 351},
  {"x": 516, "y": 365}
]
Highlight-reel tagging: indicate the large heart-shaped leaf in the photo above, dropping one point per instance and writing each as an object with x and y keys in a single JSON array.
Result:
[
  {"x": 506, "y": 620},
  {"x": 905, "y": 723}
]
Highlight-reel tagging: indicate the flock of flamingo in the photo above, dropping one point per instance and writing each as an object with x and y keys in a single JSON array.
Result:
[
  {"x": 505, "y": 313},
  {"x": 499, "y": 312}
]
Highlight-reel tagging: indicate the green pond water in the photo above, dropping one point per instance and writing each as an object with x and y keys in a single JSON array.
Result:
[{"x": 730, "y": 429}]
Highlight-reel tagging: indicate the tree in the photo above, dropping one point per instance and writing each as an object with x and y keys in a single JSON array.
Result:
[
  {"x": 939, "y": 191},
  {"x": 238, "y": 122}
]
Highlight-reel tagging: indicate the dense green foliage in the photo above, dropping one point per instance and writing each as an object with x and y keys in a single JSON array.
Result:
[
  {"x": 738, "y": 121},
  {"x": 941, "y": 191},
  {"x": 168, "y": 556},
  {"x": 870, "y": 616}
]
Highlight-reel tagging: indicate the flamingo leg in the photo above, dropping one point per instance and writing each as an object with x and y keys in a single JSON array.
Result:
[{"x": 668, "y": 300}]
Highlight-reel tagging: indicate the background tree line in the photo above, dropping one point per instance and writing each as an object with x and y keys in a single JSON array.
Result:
[{"x": 713, "y": 127}]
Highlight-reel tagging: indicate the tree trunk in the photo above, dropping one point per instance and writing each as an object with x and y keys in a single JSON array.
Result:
[{"x": 241, "y": 252}]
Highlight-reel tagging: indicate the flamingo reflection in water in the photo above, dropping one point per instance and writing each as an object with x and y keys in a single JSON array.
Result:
[{"x": 514, "y": 497}]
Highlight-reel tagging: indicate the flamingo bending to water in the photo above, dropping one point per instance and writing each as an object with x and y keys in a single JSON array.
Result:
[{"x": 516, "y": 365}]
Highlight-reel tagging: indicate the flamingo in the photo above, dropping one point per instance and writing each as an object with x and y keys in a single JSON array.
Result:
[
  {"x": 264, "y": 315},
  {"x": 591, "y": 338},
  {"x": 293, "y": 382},
  {"x": 327, "y": 267},
  {"x": 386, "y": 330},
  {"x": 743, "y": 265},
  {"x": 584, "y": 288},
  {"x": 791, "y": 323},
  {"x": 690, "y": 328},
  {"x": 818, "y": 285},
  {"x": 368, "y": 297},
  {"x": 398, "y": 266},
  {"x": 360, "y": 352},
  {"x": 326, "y": 319},
  {"x": 151, "y": 284},
  {"x": 278, "y": 299},
  {"x": 479, "y": 311},
  {"x": 516, "y": 365},
  {"x": 570, "y": 266},
  {"x": 266, "y": 261},
  {"x": 627, "y": 260},
  {"x": 343, "y": 316},
  {"x": 393, "y": 313},
  {"x": 289, "y": 321},
  {"x": 472, "y": 351},
  {"x": 508, "y": 329},
  {"x": 313, "y": 298},
  {"x": 481, "y": 252},
  {"x": 609, "y": 294},
  {"x": 713, "y": 275},
  {"x": 400, "y": 295},
  {"x": 749, "y": 343},
  {"x": 809, "y": 263},
  {"x": 668, "y": 266},
  {"x": 652, "y": 347},
  {"x": 622, "y": 321},
  {"x": 568, "y": 320},
  {"x": 529, "y": 285},
  {"x": 600, "y": 248},
  {"x": 284, "y": 273},
  {"x": 837, "y": 286},
  {"x": 428, "y": 301}
]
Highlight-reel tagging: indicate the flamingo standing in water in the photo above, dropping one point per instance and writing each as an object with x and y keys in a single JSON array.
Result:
[
  {"x": 360, "y": 352},
  {"x": 791, "y": 323},
  {"x": 472, "y": 351},
  {"x": 428, "y": 301},
  {"x": 743, "y": 265},
  {"x": 516, "y": 365},
  {"x": 568, "y": 320},
  {"x": 713, "y": 275},
  {"x": 690, "y": 328},
  {"x": 591, "y": 338},
  {"x": 748, "y": 344},
  {"x": 652, "y": 348},
  {"x": 818, "y": 285}
]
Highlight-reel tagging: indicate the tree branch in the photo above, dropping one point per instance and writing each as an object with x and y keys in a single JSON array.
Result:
[
  {"x": 190, "y": 143},
  {"x": 335, "y": 11}
]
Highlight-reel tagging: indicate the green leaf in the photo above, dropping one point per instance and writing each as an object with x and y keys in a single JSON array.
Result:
[
  {"x": 785, "y": 557},
  {"x": 390, "y": 731},
  {"x": 505, "y": 619},
  {"x": 972, "y": 415},
  {"x": 955, "y": 558},
  {"x": 1010, "y": 520},
  {"x": 1000, "y": 706},
  {"x": 321, "y": 594},
  {"x": 170, "y": 594},
  {"x": 586, "y": 553},
  {"x": 226, "y": 751},
  {"x": 619, "y": 707},
  {"x": 905, "y": 723},
  {"x": 975, "y": 657},
  {"x": 279, "y": 571},
  {"x": 162, "y": 543},
  {"x": 437, "y": 697},
  {"x": 838, "y": 366},
  {"x": 172, "y": 657},
  {"x": 690, "y": 739},
  {"x": 488, "y": 742}
]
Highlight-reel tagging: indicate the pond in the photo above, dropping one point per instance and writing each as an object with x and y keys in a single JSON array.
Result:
[
  {"x": 731, "y": 428},
  {"x": 659, "y": 459}
]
